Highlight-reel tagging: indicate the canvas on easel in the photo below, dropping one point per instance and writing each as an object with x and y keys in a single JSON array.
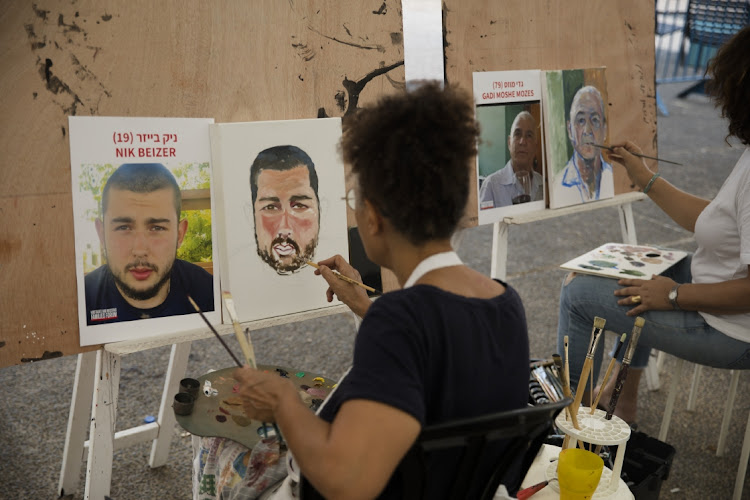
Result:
[
  {"x": 281, "y": 204},
  {"x": 622, "y": 260},
  {"x": 143, "y": 225},
  {"x": 576, "y": 124},
  {"x": 510, "y": 159}
]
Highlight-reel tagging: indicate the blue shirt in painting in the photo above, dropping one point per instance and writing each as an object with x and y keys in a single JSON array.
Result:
[
  {"x": 105, "y": 304},
  {"x": 570, "y": 178}
]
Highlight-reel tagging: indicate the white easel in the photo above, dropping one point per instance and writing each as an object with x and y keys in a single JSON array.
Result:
[
  {"x": 98, "y": 374},
  {"x": 624, "y": 204}
]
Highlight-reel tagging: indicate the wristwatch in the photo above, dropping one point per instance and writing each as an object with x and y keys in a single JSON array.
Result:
[{"x": 673, "y": 297}]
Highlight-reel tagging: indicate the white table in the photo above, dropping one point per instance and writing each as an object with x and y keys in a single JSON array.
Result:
[{"x": 537, "y": 474}]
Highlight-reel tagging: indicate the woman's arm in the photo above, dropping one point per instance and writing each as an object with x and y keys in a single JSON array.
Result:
[
  {"x": 727, "y": 297},
  {"x": 352, "y": 457},
  {"x": 682, "y": 207}
]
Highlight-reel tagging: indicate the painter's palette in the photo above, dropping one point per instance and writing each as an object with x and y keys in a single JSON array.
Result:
[
  {"x": 218, "y": 409},
  {"x": 619, "y": 260}
]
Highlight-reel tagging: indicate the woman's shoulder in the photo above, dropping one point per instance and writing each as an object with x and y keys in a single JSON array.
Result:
[{"x": 426, "y": 295}]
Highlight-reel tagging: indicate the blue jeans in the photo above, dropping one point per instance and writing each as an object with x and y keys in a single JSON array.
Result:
[{"x": 684, "y": 334}]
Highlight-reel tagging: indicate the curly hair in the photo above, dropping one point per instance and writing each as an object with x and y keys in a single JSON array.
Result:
[
  {"x": 729, "y": 83},
  {"x": 412, "y": 155}
]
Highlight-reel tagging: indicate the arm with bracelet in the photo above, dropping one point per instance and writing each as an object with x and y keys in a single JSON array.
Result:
[{"x": 682, "y": 207}]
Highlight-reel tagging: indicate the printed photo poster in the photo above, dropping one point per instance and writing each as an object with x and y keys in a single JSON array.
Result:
[
  {"x": 145, "y": 232},
  {"x": 282, "y": 203},
  {"x": 510, "y": 163},
  {"x": 576, "y": 119}
]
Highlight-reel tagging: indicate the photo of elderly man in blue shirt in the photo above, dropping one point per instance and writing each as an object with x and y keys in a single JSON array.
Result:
[{"x": 517, "y": 182}]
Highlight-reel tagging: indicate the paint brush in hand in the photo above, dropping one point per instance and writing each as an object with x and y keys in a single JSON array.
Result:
[
  {"x": 623, "y": 373},
  {"x": 198, "y": 309},
  {"x": 245, "y": 343},
  {"x": 610, "y": 148},
  {"x": 347, "y": 279},
  {"x": 609, "y": 371},
  {"x": 596, "y": 334}
]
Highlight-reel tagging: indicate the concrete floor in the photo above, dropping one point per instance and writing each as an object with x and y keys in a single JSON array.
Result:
[{"x": 35, "y": 398}]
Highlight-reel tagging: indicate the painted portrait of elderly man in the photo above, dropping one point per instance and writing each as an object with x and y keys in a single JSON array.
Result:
[{"x": 580, "y": 172}]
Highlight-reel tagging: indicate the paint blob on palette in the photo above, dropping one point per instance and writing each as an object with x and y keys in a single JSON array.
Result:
[
  {"x": 218, "y": 408},
  {"x": 620, "y": 260}
]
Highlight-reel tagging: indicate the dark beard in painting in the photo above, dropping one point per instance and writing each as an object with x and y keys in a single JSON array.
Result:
[
  {"x": 146, "y": 294},
  {"x": 299, "y": 261}
]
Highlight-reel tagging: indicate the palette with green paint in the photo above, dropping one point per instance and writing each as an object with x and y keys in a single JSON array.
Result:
[
  {"x": 620, "y": 260},
  {"x": 218, "y": 409}
]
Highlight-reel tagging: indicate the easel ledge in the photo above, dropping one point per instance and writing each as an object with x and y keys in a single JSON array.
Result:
[
  {"x": 130, "y": 346},
  {"x": 551, "y": 213},
  {"x": 623, "y": 202}
]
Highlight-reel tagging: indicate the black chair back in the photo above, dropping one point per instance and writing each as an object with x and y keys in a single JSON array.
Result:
[{"x": 473, "y": 441}]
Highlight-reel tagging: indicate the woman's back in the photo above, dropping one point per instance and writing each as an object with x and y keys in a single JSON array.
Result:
[{"x": 439, "y": 356}]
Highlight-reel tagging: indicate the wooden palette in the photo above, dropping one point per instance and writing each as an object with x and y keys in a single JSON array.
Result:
[
  {"x": 620, "y": 260},
  {"x": 221, "y": 414}
]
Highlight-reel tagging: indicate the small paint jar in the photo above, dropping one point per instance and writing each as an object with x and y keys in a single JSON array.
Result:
[
  {"x": 183, "y": 403},
  {"x": 190, "y": 385}
]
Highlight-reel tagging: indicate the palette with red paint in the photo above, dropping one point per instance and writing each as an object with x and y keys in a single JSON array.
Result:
[
  {"x": 620, "y": 260},
  {"x": 218, "y": 409}
]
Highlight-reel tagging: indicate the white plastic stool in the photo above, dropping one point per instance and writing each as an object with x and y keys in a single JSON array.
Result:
[{"x": 729, "y": 406}]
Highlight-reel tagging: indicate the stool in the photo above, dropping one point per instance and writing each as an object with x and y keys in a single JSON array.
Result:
[{"x": 729, "y": 406}]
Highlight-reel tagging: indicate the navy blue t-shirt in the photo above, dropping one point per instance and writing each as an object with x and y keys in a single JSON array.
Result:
[
  {"x": 105, "y": 304},
  {"x": 439, "y": 356}
]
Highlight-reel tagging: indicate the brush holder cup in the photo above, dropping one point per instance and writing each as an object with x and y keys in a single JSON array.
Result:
[
  {"x": 183, "y": 403},
  {"x": 190, "y": 385},
  {"x": 595, "y": 429}
]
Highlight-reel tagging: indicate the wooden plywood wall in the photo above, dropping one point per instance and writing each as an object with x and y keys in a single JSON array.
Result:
[
  {"x": 233, "y": 61},
  {"x": 547, "y": 34},
  {"x": 242, "y": 61}
]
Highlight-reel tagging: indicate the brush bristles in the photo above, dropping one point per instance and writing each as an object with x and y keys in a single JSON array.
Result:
[
  {"x": 623, "y": 336},
  {"x": 599, "y": 322},
  {"x": 639, "y": 322}
]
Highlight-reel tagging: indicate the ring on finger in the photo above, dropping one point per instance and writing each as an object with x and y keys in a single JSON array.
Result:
[{"x": 635, "y": 299}]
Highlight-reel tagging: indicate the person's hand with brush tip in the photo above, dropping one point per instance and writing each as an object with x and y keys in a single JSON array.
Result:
[
  {"x": 355, "y": 297},
  {"x": 684, "y": 208}
]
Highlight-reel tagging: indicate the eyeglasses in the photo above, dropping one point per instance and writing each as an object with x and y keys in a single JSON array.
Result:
[{"x": 350, "y": 199}]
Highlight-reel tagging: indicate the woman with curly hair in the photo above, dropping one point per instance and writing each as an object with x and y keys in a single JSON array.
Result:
[
  {"x": 699, "y": 309},
  {"x": 451, "y": 344}
]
